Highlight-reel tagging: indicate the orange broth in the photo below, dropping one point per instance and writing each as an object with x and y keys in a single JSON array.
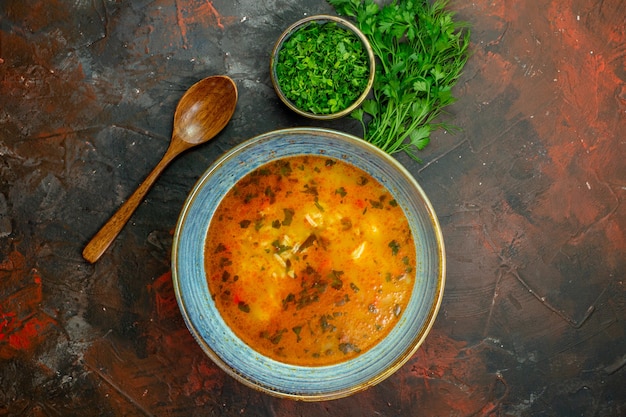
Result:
[{"x": 310, "y": 260}]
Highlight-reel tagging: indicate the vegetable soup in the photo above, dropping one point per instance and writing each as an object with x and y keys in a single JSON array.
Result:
[{"x": 310, "y": 260}]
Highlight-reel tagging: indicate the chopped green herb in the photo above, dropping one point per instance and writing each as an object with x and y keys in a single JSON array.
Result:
[
  {"x": 336, "y": 281},
  {"x": 289, "y": 213},
  {"x": 395, "y": 247},
  {"x": 322, "y": 68},
  {"x": 341, "y": 191},
  {"x": 274, "y": 338},
  {"x": 297, "y": 330},
  {"x": 310, "y": 189},
  {"x": 244, "y": 224},
  {"x": 346, "y": 348},
  {"x": 326, "y": 325},
  {"x": 291, "y": 298},
  {"x": 285, "y": 169},
  {"x": 312, "y": 287},
  {"x": 279, "y": 247},
  {"x": 270, "y": 193},
  {"x": 422, "y": 51},
  {"x": 243, "y": 307}
]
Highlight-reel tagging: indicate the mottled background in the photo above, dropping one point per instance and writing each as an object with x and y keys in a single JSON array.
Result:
[{"x": 530, "y": 192}]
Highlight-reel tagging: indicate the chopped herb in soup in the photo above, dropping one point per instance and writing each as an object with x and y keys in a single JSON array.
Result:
[{"x": 310, "y": 260}]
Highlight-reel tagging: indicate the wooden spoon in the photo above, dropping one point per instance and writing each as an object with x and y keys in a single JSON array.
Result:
[{"x": 202, "y": 112}]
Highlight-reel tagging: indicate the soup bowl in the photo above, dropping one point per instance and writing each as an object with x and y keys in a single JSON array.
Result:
[{"x": 267, "y": 374}]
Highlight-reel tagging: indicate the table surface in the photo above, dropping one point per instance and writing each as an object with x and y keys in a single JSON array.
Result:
[{"x": 530, "y": 193}]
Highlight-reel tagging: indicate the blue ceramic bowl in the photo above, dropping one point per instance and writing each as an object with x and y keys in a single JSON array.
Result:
[{"x": 261, "y": 372}]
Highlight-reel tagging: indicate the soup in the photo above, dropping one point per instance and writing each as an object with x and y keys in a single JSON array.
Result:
[{"x": 310, "y": 260}]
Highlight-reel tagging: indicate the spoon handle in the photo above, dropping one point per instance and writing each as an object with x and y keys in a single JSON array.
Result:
[{"x": 107, "y": 234}]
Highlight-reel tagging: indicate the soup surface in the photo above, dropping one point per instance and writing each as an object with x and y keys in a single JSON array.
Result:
[{"x": 310, "y": 260}]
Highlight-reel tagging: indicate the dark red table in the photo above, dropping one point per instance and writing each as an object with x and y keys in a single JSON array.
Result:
[{"x": 531, "y": 194}]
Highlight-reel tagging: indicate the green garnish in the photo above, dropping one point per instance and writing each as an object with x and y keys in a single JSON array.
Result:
[
  {"x": 346, "y": 348},
  {"x": 376, "y": 204},
  {"x": 421, "y": 52},
  {"x": 326, "y": 325},
  {"x": 289, "y": 213},
  {"x": 270, "y": 193},
  {"x": 243, "y": 307},
  {"x": 336, "y": 281},
  {"x": 395, "y": 247},
  {"x": 274, "y": 338},
  {"x": 279, "y": 247},
  {"x": 297, "y": 330},
  {"x": 310, "y": 189},
  {"x": 322, "y": 68}
]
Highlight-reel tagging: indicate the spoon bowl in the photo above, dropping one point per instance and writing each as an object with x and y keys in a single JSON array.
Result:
[{"x": 203, "y": 111}]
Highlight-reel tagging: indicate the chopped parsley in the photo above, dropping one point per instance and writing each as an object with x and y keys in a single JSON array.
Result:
[{"x": 322, "y": 68}]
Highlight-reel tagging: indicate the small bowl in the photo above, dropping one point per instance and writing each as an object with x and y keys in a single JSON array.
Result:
[
  {"x": 229, "y": 352},
  {"x": 321, "y": 19}
]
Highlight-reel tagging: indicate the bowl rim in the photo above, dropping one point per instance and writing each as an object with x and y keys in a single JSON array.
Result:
[
  {"x": 414, "y": 341},
  {"x": 347, "y": 25}
]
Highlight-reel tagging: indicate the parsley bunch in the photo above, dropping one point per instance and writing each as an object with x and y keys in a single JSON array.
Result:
[{"x": 421, "y": 52}]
